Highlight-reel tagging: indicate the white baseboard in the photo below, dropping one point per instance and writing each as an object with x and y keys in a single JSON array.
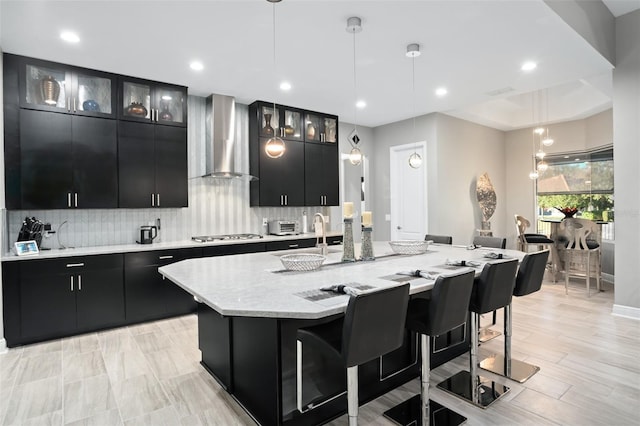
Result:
[
  {"x": 3, "y": 346},
  {"x": 626, "y": 311}
]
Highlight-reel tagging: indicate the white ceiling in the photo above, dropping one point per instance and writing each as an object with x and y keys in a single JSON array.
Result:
[{"x": 472, "y": 47}]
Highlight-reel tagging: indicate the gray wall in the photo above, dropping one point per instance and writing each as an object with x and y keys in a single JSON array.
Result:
[
  {"x": 626, "y": 141},
  {"x": 467, "y": 149}
]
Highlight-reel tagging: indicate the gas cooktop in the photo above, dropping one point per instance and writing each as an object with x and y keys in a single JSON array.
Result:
[{"x": 209, "y": 238}]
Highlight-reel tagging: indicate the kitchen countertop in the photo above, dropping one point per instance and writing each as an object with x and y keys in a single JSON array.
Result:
[
  {"x": 256, "y": 285},
  {"x": 128, "y": 248}
]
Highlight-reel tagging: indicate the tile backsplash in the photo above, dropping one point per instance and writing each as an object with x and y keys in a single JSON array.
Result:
[{"x": 215, "y": 206}]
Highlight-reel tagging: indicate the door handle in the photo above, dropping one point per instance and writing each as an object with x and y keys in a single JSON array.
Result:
[
  {"x": 165, "y": 257},
  {"x": 68, "y": 199},
  {"x": 79, "y": 282},
  {"x": 153, "y": 200},
  {"x": 158, "y": 203},
  {"x": 76, "y": 199},
  {"x": 286, "y": 200},
  {"x": 74, "y": 265},
  {"x": 71, "y": 282},
  {"x": 74, "y": 105},
  {"x": 294, "y": 245}
]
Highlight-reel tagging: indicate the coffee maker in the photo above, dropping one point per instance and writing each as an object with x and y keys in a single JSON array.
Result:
[{"x": 147, "y": 234}]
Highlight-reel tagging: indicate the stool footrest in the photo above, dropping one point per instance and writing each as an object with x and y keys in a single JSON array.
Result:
[
  {"x": 461, "y": 386},
  {"x": 487, "y": 334},
  {"x": 409, "y": 413},
  {"x": 520, "y": 371}
]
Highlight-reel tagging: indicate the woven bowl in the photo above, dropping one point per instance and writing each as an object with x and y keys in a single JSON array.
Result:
[
  {"x": 302, "y": 262},
  {"x": 409, "y": 246}
]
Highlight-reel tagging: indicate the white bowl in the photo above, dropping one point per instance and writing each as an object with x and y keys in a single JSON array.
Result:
[
  {"x": 409, "y": 246},
  {"x": 302, "y": 261}
]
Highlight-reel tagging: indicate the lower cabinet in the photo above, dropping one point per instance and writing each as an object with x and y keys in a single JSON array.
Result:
[
  {"x": 67, "y": 296},
  {"x": 148, "y": 295}
]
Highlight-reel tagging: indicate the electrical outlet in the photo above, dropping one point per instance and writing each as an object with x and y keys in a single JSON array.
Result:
[{"x": 265, "y": 221}]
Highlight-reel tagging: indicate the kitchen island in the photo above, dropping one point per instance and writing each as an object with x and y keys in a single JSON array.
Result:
[{"x": 250, "y": 309}]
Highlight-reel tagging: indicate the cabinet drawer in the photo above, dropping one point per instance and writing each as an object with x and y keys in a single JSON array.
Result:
[
  {"x": 337, "y": 239},
  {"x": 233, "y": 249},
  {"x": 30, "y": 268},
  {"x": 290, "y": 244},
  {"x": 160, "y": 257}
]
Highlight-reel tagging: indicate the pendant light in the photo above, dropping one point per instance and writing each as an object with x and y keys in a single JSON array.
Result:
[
  {"x": 354, "y": 25},
  {"x": 413, "y": 51},
  {"x": 533, "y": 174},
  {"x": 547, "y": 141},
  {"x": 275, "y": 147}
]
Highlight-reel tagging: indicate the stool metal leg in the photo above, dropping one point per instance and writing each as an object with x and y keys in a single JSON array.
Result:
[
  {"x": 468, "y": 385},
  {"x": 420, "y": 410},
  {"x": 504, "y": 365},
  {"x": 486, "y": 333},
  {"x": 352, "y": 395}
]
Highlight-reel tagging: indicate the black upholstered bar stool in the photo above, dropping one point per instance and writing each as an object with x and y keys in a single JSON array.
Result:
[
  {"x": 492, "y": 290},
  {"x": 445, "y": 310},
  {"x": 528, "y": 280},
  {"x": 373, "y": 325}
]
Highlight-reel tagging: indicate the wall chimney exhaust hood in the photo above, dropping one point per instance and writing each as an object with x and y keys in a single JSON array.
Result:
[{"x": 220, "y": 138}]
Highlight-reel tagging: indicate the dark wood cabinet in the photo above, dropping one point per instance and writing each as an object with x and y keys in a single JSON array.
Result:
[
  {"x": 152, "y": 165},
  {"x": 64, "y": 148},
  {"x": 148, "y": 295},
  {"x": 59, "y": 297},
  {"x": 152, "y": 102},
  {"x": 54, "y": 87},
  {"x": 67, "y": 161},
  {"x": 321, "y": 171},
  {"x": 307, "y": 174}
]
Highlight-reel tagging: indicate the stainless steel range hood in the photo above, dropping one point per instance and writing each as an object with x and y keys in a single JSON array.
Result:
[{"x": 220, "y": 138}]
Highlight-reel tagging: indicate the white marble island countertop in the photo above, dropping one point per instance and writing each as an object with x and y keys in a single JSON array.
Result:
[{"x": 256, "y": 285}]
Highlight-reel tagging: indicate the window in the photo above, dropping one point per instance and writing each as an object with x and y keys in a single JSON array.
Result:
[{"x": 581, "y": 179}]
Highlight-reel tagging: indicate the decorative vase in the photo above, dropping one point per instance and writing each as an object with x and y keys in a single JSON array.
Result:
[
  {"x": 136, "y": 109},
  {"x": 90, "y": 105},
  {"x": 50, "y": 90},
  {"x": 267, "y": 129},
  {"x": 348, "y": 254},
  {"x": 165, "y": 115},
  {"x": 311, "y": 131}
]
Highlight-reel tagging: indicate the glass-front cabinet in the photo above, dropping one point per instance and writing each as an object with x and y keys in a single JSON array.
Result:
[
  {"x": 50, "y": 86},
  {"x": 284, "y": 122},
  {"x": 147, "y": 101},
  {"x": 321, "y": 128}
]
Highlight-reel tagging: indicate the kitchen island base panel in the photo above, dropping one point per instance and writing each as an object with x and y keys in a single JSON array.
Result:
[{"x": 254, "y": 359}]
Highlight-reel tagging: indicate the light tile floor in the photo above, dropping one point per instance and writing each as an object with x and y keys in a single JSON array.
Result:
[{"x": 150, "y": 374}]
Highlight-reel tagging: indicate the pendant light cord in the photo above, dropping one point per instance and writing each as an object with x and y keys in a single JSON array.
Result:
[
  {"x": 413, "y": 96},
  {"x": 275, "y": 71},
  {"x": 355, "y": 85}
]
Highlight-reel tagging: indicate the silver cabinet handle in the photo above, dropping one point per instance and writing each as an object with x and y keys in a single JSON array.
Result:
[
  {"x": 153, "y": 200},
  {"x": 74, "y": 265},
  {"x": 68, "y": 105},
  {"x": 74, "y": 105},
  {"x": 76, "y": 199},
  {"x": 68, "y": 199},
  {"x": 165, "y": 257},
  {"x": 71, "y": 282},
  {"x": 158, "y": 203},
  {"x": 294, "y": 245},
  {"x": 286, "y": 200},
  {"x": 282, "y": 200},
  {"x": 79, "y": 282}
]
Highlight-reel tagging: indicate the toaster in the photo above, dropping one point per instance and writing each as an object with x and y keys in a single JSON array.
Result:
[{"x": 284, "y": 227}]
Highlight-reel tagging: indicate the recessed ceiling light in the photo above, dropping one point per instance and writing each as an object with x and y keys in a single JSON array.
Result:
[
  {"x": 285, "y": 85},
  {"x": 69, "y": 37},
  {"x": 196, "y": 66},
  {"x": 529, "y": 66},
  {"x": 538, "y": 130},
  {"x": 361, "y": 104},
  {"x": 166, "y": 98},
  {"x": 441, "y": 91}
]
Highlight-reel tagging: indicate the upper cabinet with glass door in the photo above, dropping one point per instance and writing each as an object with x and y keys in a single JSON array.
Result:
[
  {"x": 149, "y": 101},
  {"x": 320, "y": 128},
  {"x": 284, "y": 122},
  {"x": 50, "y": 86}
]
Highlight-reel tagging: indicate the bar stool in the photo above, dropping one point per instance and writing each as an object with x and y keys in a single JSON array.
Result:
[
  {"x": 486, "y": 333},
  {"x": 493, "y": 290},
  {"x": 372, "y": 326},
  {"x": 445, "y": 310},
  {"x": 528, "y": 280}
]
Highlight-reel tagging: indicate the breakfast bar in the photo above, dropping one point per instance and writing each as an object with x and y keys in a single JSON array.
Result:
[{"x": 251, "y": 307}]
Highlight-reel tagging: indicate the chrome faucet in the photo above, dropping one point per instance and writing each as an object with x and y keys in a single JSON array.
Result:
[{"x": 322, "y": 246}]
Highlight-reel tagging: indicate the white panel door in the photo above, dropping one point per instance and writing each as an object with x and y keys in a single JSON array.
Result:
[{"x": 408, "y": 193}]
